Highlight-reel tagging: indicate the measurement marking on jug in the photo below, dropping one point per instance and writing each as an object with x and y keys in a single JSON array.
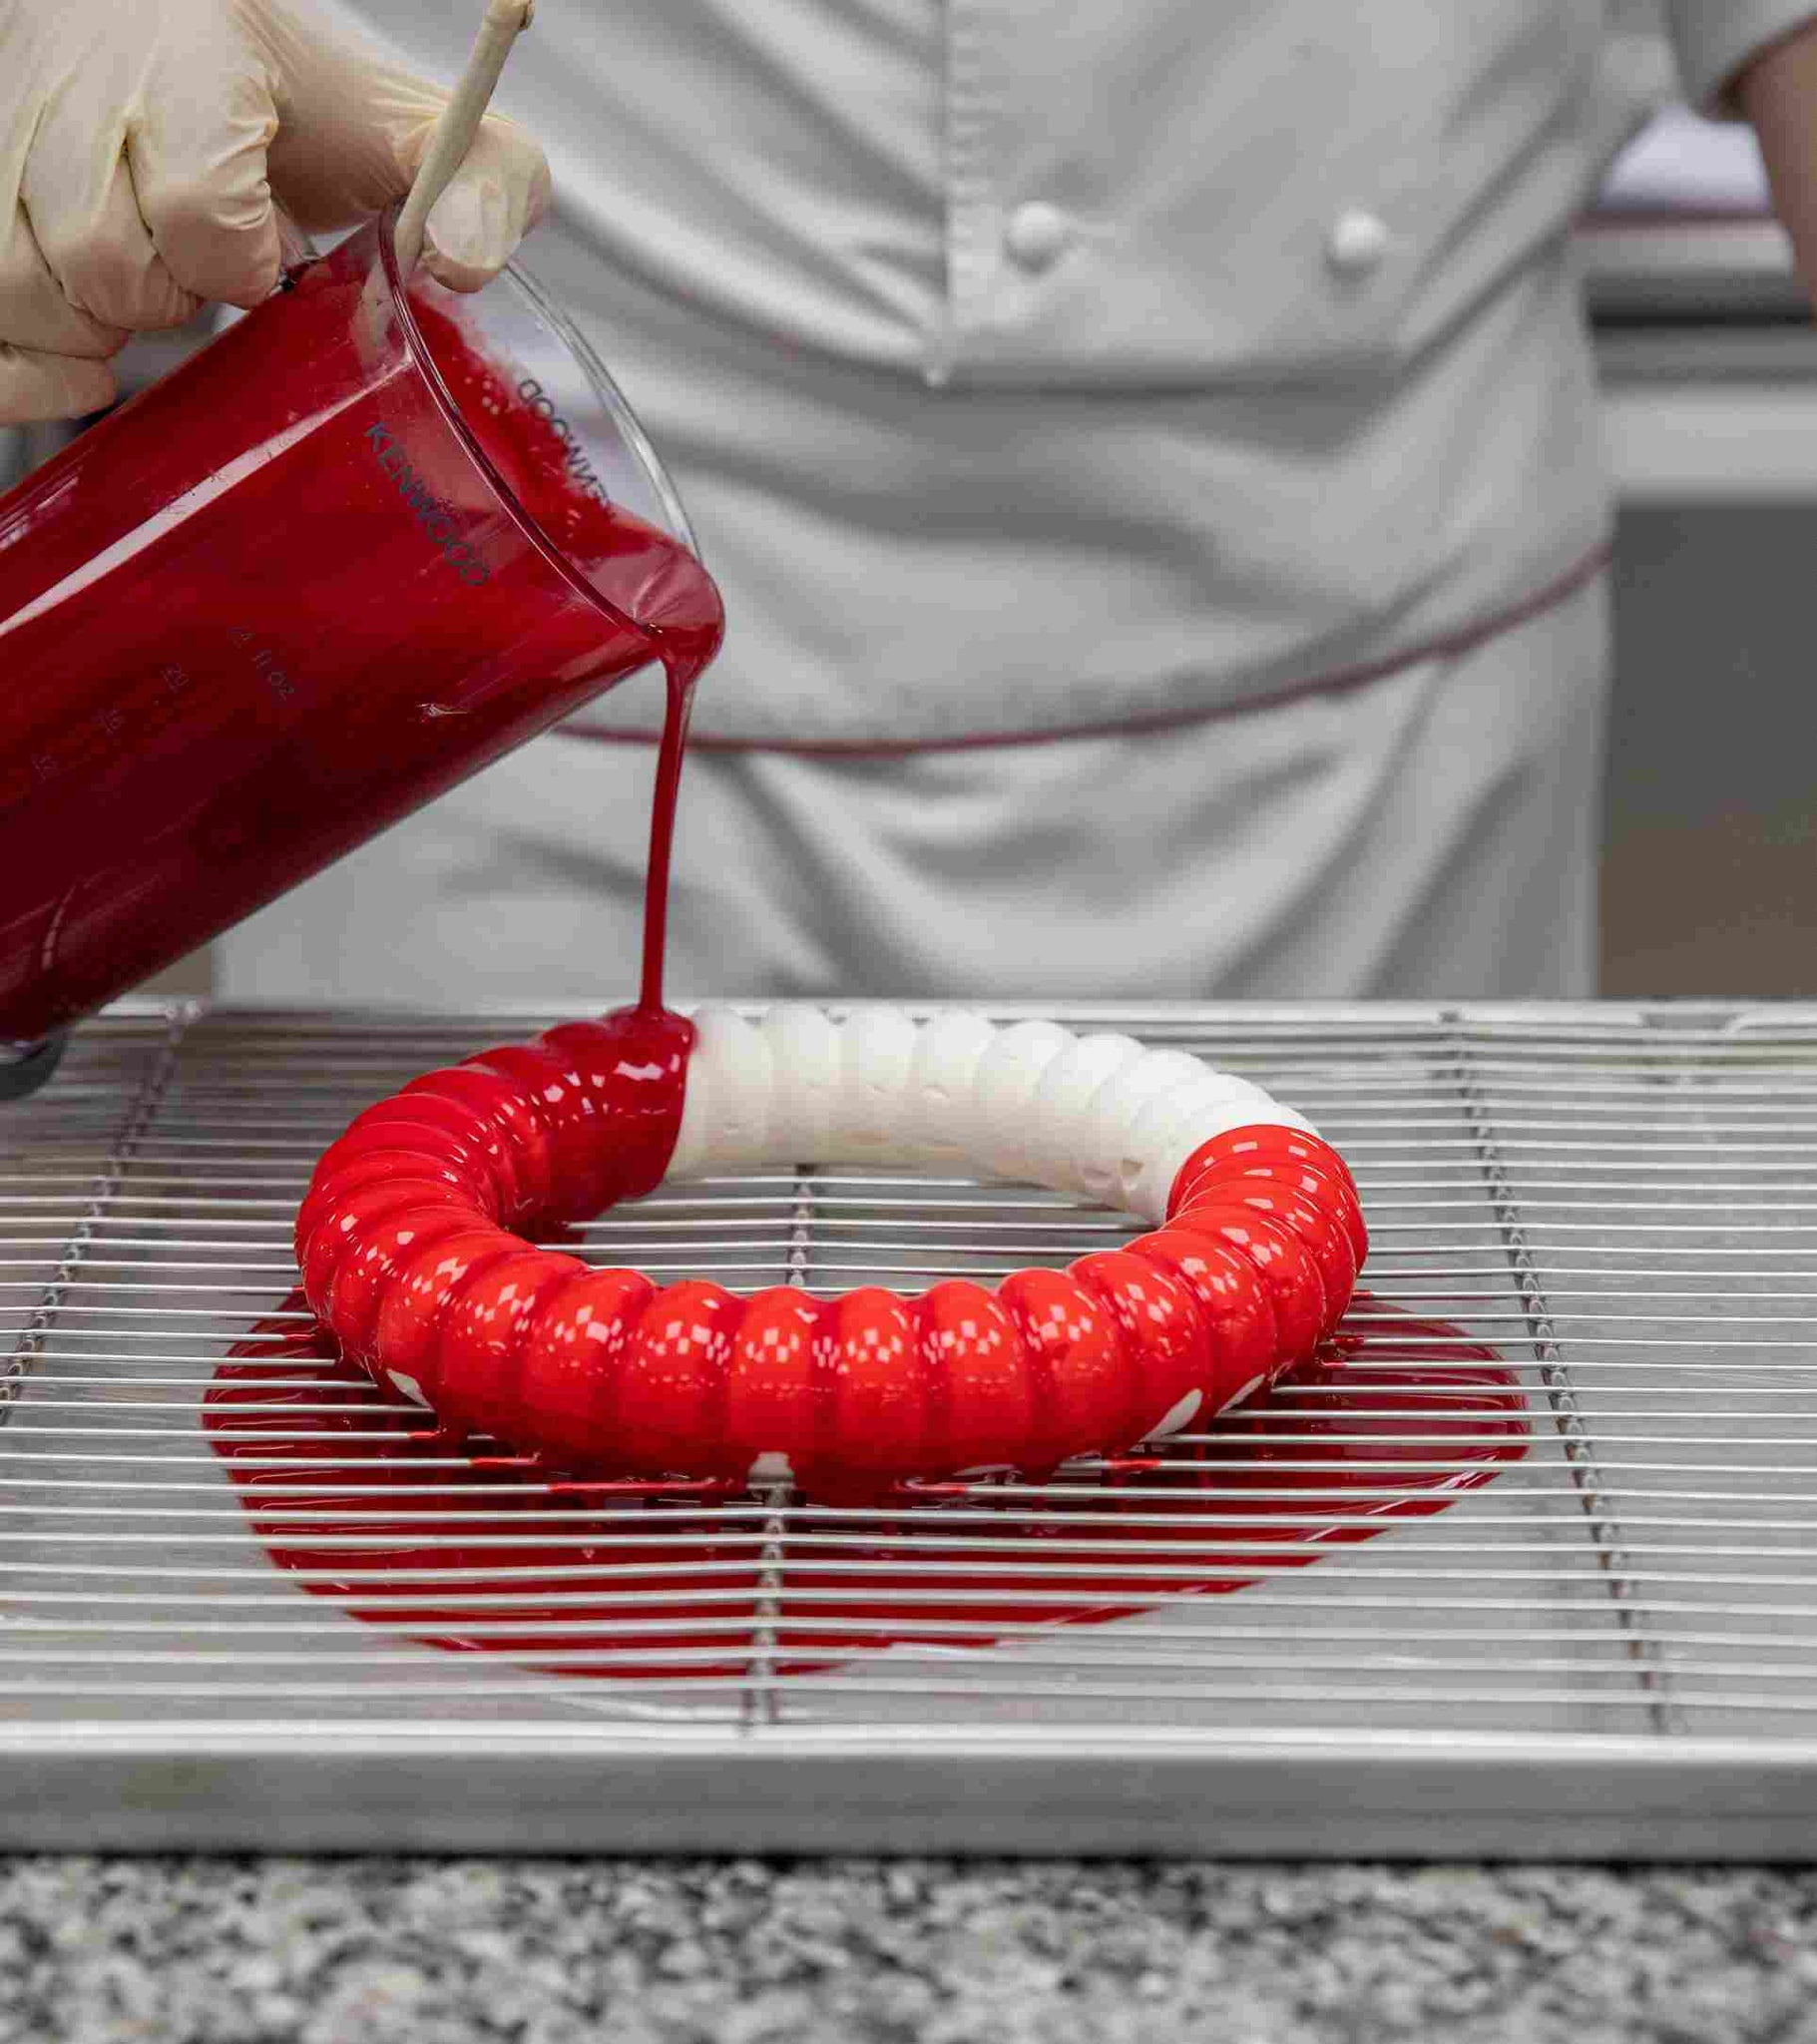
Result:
[
  {"x": 265, "y": 664},
  {"x": 92, "y": 740}
]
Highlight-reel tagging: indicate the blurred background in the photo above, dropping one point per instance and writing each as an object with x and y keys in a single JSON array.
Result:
[
  {"x": 1708, "y": 366},
  {"x": 1709, "y": 372}
]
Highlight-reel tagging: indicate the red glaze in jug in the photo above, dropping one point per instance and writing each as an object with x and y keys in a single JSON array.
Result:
[{"x": 342, "y": 559}]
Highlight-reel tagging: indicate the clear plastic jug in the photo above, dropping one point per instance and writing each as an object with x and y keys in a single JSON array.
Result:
[{"x": 361, "y": 545}]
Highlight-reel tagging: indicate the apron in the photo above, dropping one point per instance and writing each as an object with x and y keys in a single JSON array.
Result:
[
  {"x": 1429, "y": 833},
  {"x": 1150, "y": 458}
]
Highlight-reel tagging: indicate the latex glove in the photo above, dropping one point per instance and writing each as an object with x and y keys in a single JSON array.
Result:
[{"x": 142, "y": 146}]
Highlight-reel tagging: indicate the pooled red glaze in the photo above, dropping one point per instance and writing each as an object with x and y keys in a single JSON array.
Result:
[
  {"x": 408, "y": 1250},
  {"x": 666, "y": 1588}
]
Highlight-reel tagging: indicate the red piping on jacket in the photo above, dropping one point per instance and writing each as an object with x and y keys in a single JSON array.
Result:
[{"x": 1450, "y": 645}]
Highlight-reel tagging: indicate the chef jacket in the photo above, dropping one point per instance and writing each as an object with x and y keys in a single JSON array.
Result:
[
  {"x": 1031, "y": 367},
  {"x": 1151, "y": 455}
]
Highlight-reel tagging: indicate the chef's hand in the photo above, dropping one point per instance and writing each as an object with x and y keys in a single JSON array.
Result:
[{"x": 143, "y": 143}]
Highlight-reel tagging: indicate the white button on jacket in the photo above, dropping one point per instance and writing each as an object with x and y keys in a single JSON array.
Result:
[
  {"x": 1084, "y": 373},
  {"x": 1358, "y": 242},
  {"x": 1036, "y": 234}
]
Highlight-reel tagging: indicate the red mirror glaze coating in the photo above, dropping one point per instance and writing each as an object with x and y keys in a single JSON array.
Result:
[{"x": 408, "y": 1253}]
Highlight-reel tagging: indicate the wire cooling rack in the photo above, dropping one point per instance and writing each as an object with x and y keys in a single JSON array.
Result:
[{"x": 1529, "y": 1567}]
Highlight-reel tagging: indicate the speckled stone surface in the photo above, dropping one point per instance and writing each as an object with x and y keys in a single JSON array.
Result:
[{"x": 554, "y": 1953}]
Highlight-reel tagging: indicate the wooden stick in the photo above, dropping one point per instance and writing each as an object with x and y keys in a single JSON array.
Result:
[{"x": 505, "y": 21}]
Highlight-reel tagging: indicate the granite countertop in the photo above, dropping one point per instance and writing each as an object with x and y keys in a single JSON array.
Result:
[{"x": 420, "y": 1951}]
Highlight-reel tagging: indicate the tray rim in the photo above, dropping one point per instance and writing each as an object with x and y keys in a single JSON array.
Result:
[{"x": 524, "y": 1788}]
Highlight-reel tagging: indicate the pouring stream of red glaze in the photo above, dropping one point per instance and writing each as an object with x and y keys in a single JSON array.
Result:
[{"x": 679, "y": 614}]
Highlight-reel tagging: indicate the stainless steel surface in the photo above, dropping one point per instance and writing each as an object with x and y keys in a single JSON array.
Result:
[
  {"x": 1686, "y": 268},
  {"x": 1608, "y": 1647}
]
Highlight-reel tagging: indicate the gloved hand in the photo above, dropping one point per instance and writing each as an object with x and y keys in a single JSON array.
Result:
[{"x": 143, "y": 143}]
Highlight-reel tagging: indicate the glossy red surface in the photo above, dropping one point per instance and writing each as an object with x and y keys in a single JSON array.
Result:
[
  {"x": 1282, "y": 1263},
  {"x": 1331, "y": 1193},
  {"x": 1234, "y": 1306},
  {"x": 1263, "y": 1143},
  {"x": 275, "y": 603},
  {"x": 1300, "y": 1475},
  {"x": 1317, "y": 1230}
]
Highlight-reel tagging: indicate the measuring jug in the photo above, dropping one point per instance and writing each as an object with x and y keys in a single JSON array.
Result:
[{"x": 359, "y": 546}]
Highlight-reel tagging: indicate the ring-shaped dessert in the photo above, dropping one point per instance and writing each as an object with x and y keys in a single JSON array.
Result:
[{"x": 413, "y": 1253}]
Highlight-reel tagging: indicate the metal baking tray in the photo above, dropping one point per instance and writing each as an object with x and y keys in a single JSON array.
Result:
[{"x": 1531, "y": 1571}]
